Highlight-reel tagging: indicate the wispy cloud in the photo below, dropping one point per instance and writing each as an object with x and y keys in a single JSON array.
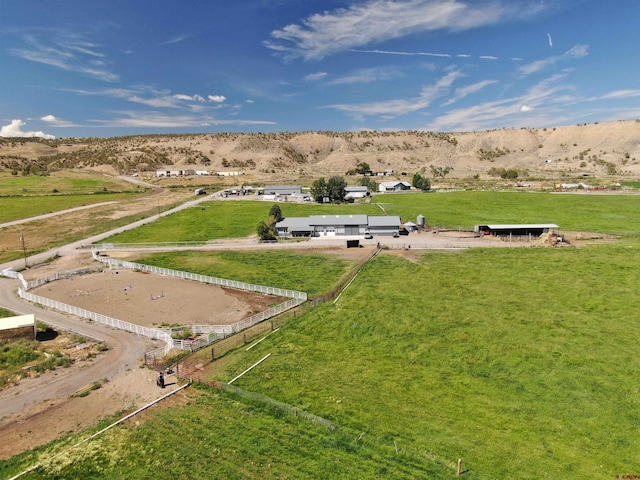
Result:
[
  {"x": 367, "y": 75},
  {"x": 322, "y": 34},
  {"x": 465, "y": 91},
  {"x": 545, "y": 103},
  {"x": 135, "y": 119},
  {"x": 395, "y": 107},
  {"x": 155, "y": 98},
  {"x": 65, "y": 50},
  {"x": 312, "y": 77},
  {"x": 622, "y": 94},
  {"x": 578, "y": 51}
]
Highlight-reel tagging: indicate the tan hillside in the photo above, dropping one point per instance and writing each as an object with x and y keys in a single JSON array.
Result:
[{"x": 602, "y": 150}]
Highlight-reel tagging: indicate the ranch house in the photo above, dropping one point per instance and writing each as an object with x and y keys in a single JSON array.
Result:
[{"x": 396, "y": 186}]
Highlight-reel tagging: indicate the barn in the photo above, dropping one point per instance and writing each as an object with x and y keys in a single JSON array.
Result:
[
  {"x": 16, "y": 328},
  {"x": 516, "y": 230},
  {"x": 338, "y": 225}
]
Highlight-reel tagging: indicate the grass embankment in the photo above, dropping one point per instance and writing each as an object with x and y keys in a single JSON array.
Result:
[
  {"x": 611, "y": 214},
  {"x": 226, "y": 219}
]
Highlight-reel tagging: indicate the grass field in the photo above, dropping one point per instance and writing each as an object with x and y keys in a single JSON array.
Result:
[
  {"x": 63, "y": 182},
  {"x": 225, "y": 219},
  {"x": 612, "y": 214},
  {"x": 311, "y": 273},
  {"x": 16, "y": 208},
  {"x": 522, "y": 362}
]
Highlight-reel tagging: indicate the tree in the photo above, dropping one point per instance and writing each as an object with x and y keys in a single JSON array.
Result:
[
  {"x": 265, "y": 231},
  {"x": 440, "y": 172},
  {"x": 336, "y": 189},
  {"x": 319, "y": 190},
  {"x": 420, "y": 182},
  {"x": 363, "y": 168},
  {"x": 275, "y": 213}
]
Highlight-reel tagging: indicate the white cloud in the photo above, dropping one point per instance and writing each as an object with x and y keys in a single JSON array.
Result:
[
  {"x": 315, "y": 76},
  {"x": 577, "y": 51},
  {"x": 14, "y": 129},
  {"x": 324, "y": 33},
  {"x": 545, "y": 103},
  {"x": 217, "y": 98},
  {"x": 367, "y": 75},
  {"x": 622, "y": 94},
  {"x": 392, "y": 108},
  {"x": 64, "y": 49},
  {"x": 134, "y": 119},
  {"x": 462, "y": 92},
  {"x": 49, "y": 118}
]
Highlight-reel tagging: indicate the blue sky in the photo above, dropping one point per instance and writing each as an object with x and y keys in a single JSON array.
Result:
[{"x": 90, "y": 68}]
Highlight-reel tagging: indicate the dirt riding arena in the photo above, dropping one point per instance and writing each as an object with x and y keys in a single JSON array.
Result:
[{"x": 154, "y": 300}]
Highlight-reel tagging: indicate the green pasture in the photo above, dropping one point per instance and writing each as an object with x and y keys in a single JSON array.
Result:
[
  {"x": 611, "y": 214},
  {"x": 522, "y": 361},
  {"x": 63, "y": 182},
  {"x": 311, "y": 273},
  {"x": 16, "y": 208},
  {"x": 214, "y": 436},
  {"x": 226, "y": 219}
]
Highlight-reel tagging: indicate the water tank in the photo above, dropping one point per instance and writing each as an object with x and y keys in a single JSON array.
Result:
[{"x": 420, "y": 222}]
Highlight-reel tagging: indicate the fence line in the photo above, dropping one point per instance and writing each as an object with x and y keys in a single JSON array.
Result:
[
  {"x": 115, "y": 263},
  {"x": 208, "y": 333}
]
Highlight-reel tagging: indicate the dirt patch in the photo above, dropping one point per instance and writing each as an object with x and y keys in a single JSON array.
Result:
[
  {"x": 153, "y": 300},
  {"x": 50, "y": 420}
]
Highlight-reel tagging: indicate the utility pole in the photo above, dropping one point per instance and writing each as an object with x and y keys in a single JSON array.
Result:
[{"x": 24, "y": 248}]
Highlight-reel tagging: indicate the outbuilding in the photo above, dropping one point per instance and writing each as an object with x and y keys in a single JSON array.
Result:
[
  {"x": 356, "y": 192},
  {"x": 283, "y": 190},
  {"x": 516, "y": 230},
  {"x": 16, "y": 328}
]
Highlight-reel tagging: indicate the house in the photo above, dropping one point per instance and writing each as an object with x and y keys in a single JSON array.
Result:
[
  {"x": 16, "y": 328},
  {"x": 163, "y": 173},
  {"x": 356, "y": 192},
  {"x": 338, "y": 225},
  {"x": 394, "y": 186}
]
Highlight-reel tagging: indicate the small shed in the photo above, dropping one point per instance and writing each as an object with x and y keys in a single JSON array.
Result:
[{"x": 16, "y": 328}]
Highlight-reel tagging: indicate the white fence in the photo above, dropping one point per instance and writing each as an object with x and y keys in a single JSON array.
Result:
[
  {"x": 280, "y": 292},
  {"x": 208, "y": 333}
]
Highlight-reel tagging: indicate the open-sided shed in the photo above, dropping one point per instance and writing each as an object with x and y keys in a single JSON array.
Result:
[{"x": 516, "y": 230}]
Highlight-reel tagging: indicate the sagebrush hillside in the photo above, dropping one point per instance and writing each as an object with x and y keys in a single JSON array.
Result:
[{"x": 600, "y": 150}]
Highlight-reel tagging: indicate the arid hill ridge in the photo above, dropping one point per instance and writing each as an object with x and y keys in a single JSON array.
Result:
[{"x": 600, "y": 150}]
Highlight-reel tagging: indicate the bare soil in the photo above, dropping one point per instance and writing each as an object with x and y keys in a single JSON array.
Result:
[{"x": 153, "y": 300}]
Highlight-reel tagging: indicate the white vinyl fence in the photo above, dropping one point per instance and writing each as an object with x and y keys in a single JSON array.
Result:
[
  {"x": 280, "y": 292},
  {"x": 208, "y": 333}
]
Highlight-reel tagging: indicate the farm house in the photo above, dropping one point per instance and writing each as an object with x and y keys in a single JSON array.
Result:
[{"x": 396, "y": 186}]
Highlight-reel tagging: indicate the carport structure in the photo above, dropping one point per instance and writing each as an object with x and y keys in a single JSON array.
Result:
[{"x": 516, "y": 229}]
